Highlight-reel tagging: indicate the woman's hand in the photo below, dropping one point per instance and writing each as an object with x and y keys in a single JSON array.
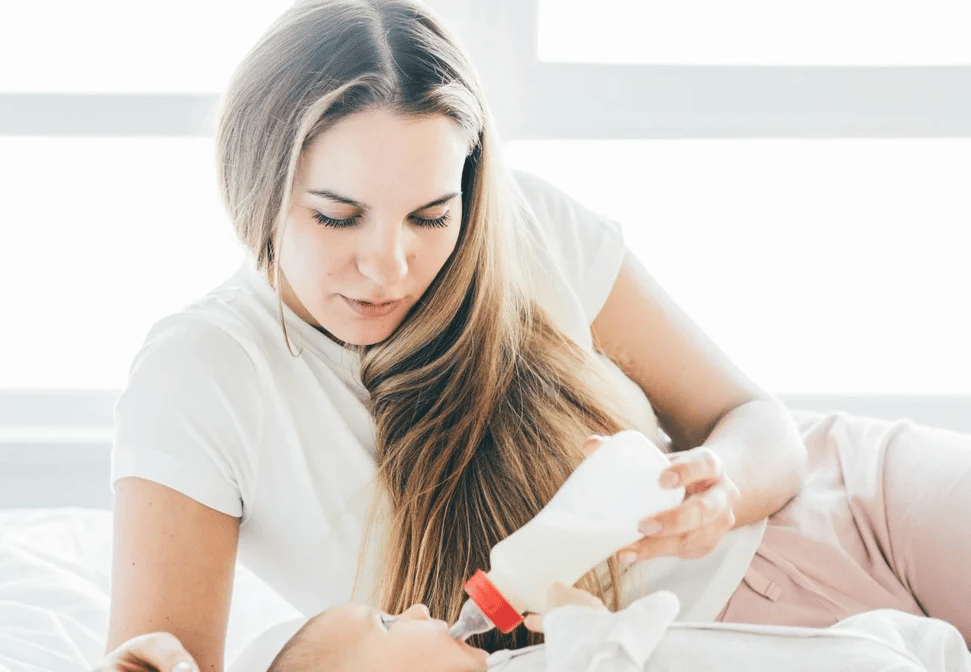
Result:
[
  {"x": 155, "y": 652},
  {"x": 693, "y": 528},
  {"x": 560, "y": 595}
]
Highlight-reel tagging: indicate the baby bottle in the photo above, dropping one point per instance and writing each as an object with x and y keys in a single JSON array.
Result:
[{"x": 594, "y": 514}]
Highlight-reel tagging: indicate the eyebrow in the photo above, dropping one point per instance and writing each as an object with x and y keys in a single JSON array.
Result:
[{"x": 325, "y": 193}]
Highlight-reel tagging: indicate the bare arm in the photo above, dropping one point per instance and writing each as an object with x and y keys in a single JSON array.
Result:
[
  {"x": 700, "y": 397},
  {"x": 172, "y": 570}
]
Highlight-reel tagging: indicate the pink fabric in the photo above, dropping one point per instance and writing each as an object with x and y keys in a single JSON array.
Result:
[{"x": 883, "y": 521}]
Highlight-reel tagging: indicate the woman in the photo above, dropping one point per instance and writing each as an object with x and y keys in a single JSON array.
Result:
[{"x": 408, "y": 368}]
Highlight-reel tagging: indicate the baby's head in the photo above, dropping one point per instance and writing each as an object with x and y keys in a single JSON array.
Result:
[{"x": 358, "y": 638}]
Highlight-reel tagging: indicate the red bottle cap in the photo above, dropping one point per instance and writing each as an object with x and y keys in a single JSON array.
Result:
[{"x": 488, "y": 598}]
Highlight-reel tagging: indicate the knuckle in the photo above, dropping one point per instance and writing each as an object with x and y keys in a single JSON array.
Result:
[
  {"x": 730, "y": 518},
  {"x": 700, "y": 548},
  {"x": 710, "y": 460},
  {"x": 662, "y": 547},
  {"x": 679, "y": 522},
  {"x": 693, "y": 552},
  {"x": 701, "y": 510},
  {"x": 700, "y": 542}
]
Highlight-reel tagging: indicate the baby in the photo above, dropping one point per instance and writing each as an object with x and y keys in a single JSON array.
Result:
[
  {"x": 359, "y": 638},
  {"x": 582, "y": 636}
]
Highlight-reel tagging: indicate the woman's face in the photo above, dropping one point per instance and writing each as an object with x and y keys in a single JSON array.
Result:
[
  {"x": 376, "y": 212},
  {"x": 411, "y": 641}
]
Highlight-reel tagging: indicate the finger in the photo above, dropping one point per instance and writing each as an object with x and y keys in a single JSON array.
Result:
[
  {"x": 591, "y": 444},
  {"x": 692, "y": 466},
  {"x": 696, "y": 511},
  {"x": 704, "y": 540},
  {"x": 649, "y": 547},
  {"x": 688, "y": 545},
  {"x": 560, "y": 594},
  {"x": 534, "y": 622},
  {"x": 159, "y": 649}
]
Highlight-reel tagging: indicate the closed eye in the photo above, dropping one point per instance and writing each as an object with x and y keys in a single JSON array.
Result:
[
  {"x": 438, "y": 222},
  {"x": 335, "y": 223},
  {"x": 348, "y": 222}
]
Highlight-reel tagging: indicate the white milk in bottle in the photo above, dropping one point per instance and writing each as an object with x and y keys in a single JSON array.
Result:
[{"x": 593, "y": 515}]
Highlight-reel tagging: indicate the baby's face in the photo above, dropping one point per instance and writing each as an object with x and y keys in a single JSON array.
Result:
[{"x": 411, "y": 641}]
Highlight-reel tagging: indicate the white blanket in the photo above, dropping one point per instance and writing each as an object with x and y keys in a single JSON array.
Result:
[
  {"x": 54, "y": 591},
  {"x": 54, "y": 588}
]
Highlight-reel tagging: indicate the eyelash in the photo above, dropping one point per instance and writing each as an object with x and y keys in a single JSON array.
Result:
[{"x": 347, "y": 223}]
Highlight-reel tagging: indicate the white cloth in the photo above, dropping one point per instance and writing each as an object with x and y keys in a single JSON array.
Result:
[
  {"x": 581, "y": 639},
  {"x": 218, "y": 408},
  {"x": 642, "y": 638}
]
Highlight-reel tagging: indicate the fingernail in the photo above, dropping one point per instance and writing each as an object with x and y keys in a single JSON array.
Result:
[
  {"x": 626, "y": 558},
  {"x": 649, "y": 527},
  {"x": 183, "y": 666},
  {"x": 669, "y": 479}
]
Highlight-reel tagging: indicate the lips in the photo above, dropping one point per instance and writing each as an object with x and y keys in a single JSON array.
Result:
[{"x": 372, "y": 309}]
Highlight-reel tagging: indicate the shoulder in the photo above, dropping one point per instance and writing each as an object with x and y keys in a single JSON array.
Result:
[
  {"x": 191, "y": 367},
  {"x": 586, "y": 247},
  {"x": 204, "y": 361},
  {"x": 192, "y": 413},
  {"x": 224, "y": 331},
  {"x": 544, "y": 200},
  {"x": 552, "y": 206},
  {"x": 536, "y": 190},
  {"x": 187, "y": 344},
  {"x": 575, "y": 233}
]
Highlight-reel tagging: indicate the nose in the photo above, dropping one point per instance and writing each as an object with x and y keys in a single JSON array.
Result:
[
  {"x": 382, "y": 255},
  {"x": 418, "y": 612}
]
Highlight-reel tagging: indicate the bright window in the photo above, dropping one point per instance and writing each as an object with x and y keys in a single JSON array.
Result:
[
  {"x": 756, "y": 32},
  {"x": 102, "y": 237},
  {"x": 830, "y": 266},
  {"x": 108, "y": 46}
]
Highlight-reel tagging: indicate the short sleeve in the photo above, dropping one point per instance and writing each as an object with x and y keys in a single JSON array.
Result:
[
  {"x": 191, "y": 415},
  {"x": 588, "y": 247}
]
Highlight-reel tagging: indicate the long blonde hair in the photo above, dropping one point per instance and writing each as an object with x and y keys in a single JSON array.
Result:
[{"x": 480, "y": 401}]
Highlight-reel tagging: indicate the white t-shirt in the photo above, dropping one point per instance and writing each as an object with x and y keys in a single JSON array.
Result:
[{"x": 219, "y": 409}]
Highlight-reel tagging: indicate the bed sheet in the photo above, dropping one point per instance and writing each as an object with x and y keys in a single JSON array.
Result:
[{"x": 54, "y": 592}]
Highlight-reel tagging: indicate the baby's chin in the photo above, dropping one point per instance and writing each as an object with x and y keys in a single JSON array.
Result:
[{"x": 479, "y": 655}]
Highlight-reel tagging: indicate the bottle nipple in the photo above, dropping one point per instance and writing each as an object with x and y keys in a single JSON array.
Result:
[{"x": 471, "y": 622}]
